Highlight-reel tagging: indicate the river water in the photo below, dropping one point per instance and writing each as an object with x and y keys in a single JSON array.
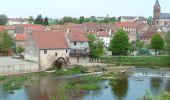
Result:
[{"x": 129, "y": 87}]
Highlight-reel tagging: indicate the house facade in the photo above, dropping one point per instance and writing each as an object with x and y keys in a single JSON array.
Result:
[
  {"x": 49, "y": 48},
  {"x": 129, "y": 27}
]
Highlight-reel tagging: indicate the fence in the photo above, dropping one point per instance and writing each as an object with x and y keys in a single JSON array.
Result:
[{"x": 19, "y": 69}]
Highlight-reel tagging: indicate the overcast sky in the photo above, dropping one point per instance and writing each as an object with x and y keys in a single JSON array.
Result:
[{"x": 76, "y": 8}]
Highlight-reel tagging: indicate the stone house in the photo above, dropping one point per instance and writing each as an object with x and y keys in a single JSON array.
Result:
[
  {"x": 21, "y": 40},
  {"x": 49, "y": 48}
]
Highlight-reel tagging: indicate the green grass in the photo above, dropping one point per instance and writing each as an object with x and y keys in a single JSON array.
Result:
[
  {"x": 43, "y": 73},
  {"x": 71, "y": 71},
  {"x": 85, "y": 83},
  {"x": 2, "y": 78},
  {"x": 151, "y": 61},
  {"x": 15, "y": 83},
  {"x": 91, "y": 78}
]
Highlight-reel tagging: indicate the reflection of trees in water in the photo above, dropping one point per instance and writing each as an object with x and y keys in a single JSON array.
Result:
[
  {"x": 167, "y": 87},
  {"x": 155, "y": 84},
  {"x": 120, "y": 89}
]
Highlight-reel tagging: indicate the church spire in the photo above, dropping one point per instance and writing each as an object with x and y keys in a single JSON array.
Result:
[{"x": 157, "y": 3}]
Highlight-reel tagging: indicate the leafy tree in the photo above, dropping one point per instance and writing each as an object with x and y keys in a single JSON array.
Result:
[
  {"x": 167, "y": 38},
  {"x": 109, "y": 20},
  {"x": 149, "y": 20},
  {"x": 31, "y": 19},
  {"x": 81, "y": 19},
  {"x": 39, "y": 20},
  {"x": 96, "y": 46},
  {"x": 157, "y": 43},
  {"x": 6, "y": 42},
  {"x": 46, "y": 21},
  {"x": 93, "y": 19},
  {"x": 120, "y": 43},
  {"x": 3, "y": 19},
  {"x": 20, "y": 50}
]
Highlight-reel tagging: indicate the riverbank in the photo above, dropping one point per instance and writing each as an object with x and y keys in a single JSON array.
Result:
[{"x": 142, "y": 61}]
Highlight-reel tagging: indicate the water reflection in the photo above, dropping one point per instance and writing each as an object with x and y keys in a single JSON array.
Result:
[
  {"x": 155, "y": 84},
  {"x": 120, "y": 89}
]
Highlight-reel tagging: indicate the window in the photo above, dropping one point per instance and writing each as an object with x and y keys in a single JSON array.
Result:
[
  {"x": 56, "y": 54},
  {"x": 66, "y": 51},
  {"x": 81, "y": 42},
  {"x": 75, "y": 43},
  {"x": 45, "y": 51}
]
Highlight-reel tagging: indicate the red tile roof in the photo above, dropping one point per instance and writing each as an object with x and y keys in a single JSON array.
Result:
[
  {"x": 150, "y": 32},
  {"x": 50, "y": 39},
  {"x": 77, "y": 36},
  {"x": 31, "y": 26},
  {"x": 102, "y": 34},
  {"x": 125, "y": 24},
  {"x": 2, "y": 28},
  {"x": 21, "y": 37}
]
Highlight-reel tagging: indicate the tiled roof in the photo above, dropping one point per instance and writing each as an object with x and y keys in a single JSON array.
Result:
[
  {"x": 21, "y": 37},
  {"x": 150, "y": 32},
  {"x": 50, "y": 39},
  {"x": 77, "y": 36},
  {"x": 2, "y": 28},
  {"x": 102, "y": 34},
  {"x": 125, "y": 24}
]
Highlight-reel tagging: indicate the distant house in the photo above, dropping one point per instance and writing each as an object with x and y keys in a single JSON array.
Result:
[
  {"x": 91, "y": 27},
  {"x": 77, "y": 42},
  {"x": 105, "y": 37},
  {"x": 47, "y": 48},
  {"x": 139, "y": 19},
  {"x": 129, "y": 27},
  {"x": 146, "y": 37},
  {"x": 14, "y": 21},
  {"x": 21, "y": 40},
  {"x": 3, "y": 29}
]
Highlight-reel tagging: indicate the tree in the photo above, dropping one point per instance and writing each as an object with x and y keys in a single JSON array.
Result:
[
  {"x": 46, "y": 21},
  {"x": 167, "y": 39},
  {"x": 3, "y": 19},
  {"x": 157, "y": 43},
  {"x": 81, "y": 19},
  {"x": 39, "y": 20},
  {"x": 31, "y": 19},
  {"x": 96, "y": 46},
  {"x": 149, "y": 20},
  {"x": 120, "y": 43},
  {"x": 20, "y": 50},
  {"x": 6, "y": 43}
]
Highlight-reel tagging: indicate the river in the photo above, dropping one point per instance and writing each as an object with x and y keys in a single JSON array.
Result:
[{"x": 129, "y": 87}]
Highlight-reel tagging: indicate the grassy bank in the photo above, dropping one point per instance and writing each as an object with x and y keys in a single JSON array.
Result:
[{"x": 145, "y": 61}]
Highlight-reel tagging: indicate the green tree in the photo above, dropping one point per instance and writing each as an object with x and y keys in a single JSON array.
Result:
[
  {"x": 81, "y": 19},
  {"x": 96, "y": 46},
  {"x": 46, "y": 21},
  {"x": 31, "y": 19},
  {"x": 149, "y": 20},
  {"x": 20, "y": 50},
  {"x": 6, "y": 43},
  {"x": 167, "y": 39},
  {"x": 3, "y": 19},
  {"x": 39, "y": 20},
  {"x": 120, "y": 43},
  {"x": 157, "y": 43}
]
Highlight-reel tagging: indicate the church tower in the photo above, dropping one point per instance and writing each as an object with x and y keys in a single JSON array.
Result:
[{"x": 157, "y": 10}]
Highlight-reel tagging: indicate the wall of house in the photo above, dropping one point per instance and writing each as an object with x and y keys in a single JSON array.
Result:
[
  {"x": 79, "y": 45},
  {"x": 106, "y": 40},
  {"x": 47, "y": 59}
]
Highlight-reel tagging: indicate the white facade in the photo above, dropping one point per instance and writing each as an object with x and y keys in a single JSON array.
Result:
[
  {"x": 106, "y": 41},
  {"x": 48, "y": 57},
  {"x": 11, "y": 22},
  {"x": 79, "y": 45}
]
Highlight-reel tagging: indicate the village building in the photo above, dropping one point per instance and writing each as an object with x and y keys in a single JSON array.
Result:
[
  {"x": 21, "y": 40},
  {"x": 160, "y": 19},
  {"x": 14, "y": 21},
  {"x": 129, "y": 27},
  {"x": 49, "y": 48},
  {"x": 139, "y": 19}
]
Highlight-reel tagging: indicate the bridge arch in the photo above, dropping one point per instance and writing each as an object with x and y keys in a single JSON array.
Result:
[{"x": 59, "y": 62}]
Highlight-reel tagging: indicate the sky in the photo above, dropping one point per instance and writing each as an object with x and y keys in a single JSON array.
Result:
[{"x": 76, "y": 8}]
